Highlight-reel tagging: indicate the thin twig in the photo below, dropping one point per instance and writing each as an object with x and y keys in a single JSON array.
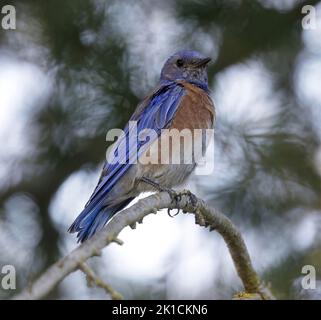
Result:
[{"x": 93, "y": 279}]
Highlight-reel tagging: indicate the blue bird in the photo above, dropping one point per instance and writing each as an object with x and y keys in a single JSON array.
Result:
[{"x": 180, "y": 101}]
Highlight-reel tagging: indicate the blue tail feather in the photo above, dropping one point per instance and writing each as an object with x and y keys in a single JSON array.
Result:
[{"x": 93, "y": 219}]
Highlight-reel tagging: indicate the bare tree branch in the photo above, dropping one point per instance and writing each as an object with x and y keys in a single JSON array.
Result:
[{"x": 204, "y": 216}]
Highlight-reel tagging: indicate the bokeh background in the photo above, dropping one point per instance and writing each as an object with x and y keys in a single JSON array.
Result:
[{"x": 74, "y": 69}]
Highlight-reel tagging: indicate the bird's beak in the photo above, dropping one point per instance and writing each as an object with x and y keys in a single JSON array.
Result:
[{"x": 203, "y": 62}]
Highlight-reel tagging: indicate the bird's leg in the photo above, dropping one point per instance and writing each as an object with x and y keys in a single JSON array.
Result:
[
  {"x": 175, "y": 197},
  {"x": 157, "y": 185}
]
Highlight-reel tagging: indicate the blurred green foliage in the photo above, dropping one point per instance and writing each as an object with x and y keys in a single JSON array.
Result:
[{"x": 91, "y": 75}]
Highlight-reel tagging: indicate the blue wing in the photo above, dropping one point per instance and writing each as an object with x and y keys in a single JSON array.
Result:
[{"x": 155, "y": 113}]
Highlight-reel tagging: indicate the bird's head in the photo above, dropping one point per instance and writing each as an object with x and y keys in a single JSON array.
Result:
[{"x": 186, "y": 65}]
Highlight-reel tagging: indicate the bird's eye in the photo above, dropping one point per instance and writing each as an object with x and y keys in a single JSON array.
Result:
[{"x": 179, "y": 63}]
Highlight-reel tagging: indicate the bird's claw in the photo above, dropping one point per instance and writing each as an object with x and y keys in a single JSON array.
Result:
[
  {"x": 172, "y": 215},
  {"x": 175, "y": 197},
  {"x": 191, "y": 196}
]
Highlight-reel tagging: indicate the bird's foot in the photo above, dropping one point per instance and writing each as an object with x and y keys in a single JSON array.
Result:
[
  {"x": 191, "y": 196},
  {"x": 175, "y": 197}
]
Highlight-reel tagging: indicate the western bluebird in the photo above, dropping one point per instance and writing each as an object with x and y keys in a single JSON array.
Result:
[{"x": 180, "y": 101}]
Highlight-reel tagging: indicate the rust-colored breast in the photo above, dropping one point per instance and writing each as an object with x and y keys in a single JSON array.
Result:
[{"x": 196, "y": 110}]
